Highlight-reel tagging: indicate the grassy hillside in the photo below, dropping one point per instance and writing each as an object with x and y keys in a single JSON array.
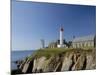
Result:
[{"x": 47, "y": 52}]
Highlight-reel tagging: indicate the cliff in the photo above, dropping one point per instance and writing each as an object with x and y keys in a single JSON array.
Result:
[{"x": 59, "y": 60}]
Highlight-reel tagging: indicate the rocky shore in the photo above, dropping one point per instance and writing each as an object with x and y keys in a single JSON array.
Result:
[{"x": 71, "y": 60}]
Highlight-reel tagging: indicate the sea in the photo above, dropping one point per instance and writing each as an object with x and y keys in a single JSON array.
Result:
[{"x": 19, "y": 55}]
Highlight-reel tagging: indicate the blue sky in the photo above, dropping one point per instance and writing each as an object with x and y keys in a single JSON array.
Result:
[{"x": 33, "y": 21}]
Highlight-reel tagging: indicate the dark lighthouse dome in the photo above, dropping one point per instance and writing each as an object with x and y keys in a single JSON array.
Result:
[{"x": 62, "y": 29}]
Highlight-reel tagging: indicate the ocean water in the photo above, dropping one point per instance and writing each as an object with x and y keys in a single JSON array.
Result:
[{"x": 18, "y": 55}]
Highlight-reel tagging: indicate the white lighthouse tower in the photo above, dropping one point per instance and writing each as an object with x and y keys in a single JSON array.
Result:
[{"x": 61, "y": 45}]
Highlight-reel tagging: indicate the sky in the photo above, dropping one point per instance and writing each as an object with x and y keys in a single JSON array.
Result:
[{"x": 33, "y": 21}]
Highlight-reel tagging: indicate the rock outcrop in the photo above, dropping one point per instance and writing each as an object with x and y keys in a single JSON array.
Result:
[{"x": 67, "y": 61}]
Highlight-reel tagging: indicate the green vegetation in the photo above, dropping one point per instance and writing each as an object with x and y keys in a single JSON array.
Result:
[{"x": 48, "y": 52}]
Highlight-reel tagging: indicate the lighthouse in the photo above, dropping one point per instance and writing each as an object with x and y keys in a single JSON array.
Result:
[
  {"x": 61, "y": 45},
  {"x": 61, "y": 36}
]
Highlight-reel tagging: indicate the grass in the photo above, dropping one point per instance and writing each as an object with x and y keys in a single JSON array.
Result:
[{"x": 48, "y": 52}]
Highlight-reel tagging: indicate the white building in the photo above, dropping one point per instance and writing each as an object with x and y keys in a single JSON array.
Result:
[
  {"x": 61, "y": 45},
  {"x": 42, "y": 43},
  {"x": 84, "y": 42}
]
